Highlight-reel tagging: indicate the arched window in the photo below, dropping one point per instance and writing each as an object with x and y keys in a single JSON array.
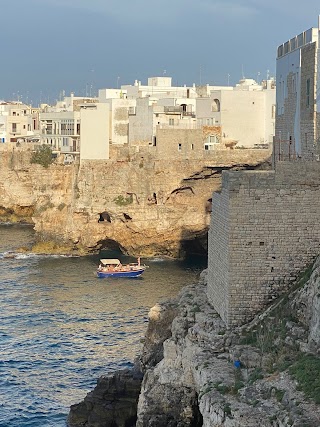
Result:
[{"x": 215, "y": 106}]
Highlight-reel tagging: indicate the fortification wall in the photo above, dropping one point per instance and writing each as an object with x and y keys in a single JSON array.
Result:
[{"x": 264, "y": 230}]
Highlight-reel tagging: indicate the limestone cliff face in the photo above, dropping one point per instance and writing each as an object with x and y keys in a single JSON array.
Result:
[
  {"x": 239, "y": 377},
  {"x": 143, "y": 206}
]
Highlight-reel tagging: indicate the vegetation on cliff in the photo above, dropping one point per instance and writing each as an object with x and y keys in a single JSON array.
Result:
[{"x": 42, "y": 156}]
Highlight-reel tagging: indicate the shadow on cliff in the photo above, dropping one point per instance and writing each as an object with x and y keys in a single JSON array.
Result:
[{"x": 194, "y": 248}]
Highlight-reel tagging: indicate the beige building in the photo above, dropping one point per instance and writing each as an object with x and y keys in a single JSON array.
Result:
[
  {"x": 94, "y": 138},
  {"x": 18, "y": 122}
]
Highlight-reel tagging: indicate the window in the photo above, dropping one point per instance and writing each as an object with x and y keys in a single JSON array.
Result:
[
  {"x": 308, "y": 93},
  {"x": 192, "y": 146},
  {"x": 179, "y": 147},
  {"x": 211, "y": 141},
  {"x": 171, "y": 122},
  {"x": 14, "y": 127},
  {"x": 215, "y": 106},
  {"x": 65, "y": 142}
]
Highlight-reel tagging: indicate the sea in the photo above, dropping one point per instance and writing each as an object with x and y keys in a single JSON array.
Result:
[{"x": 61, "y": 327}]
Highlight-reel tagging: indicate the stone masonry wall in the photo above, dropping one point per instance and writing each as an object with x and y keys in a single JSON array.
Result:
[
  {"x": 218, "y": 253},
  {"x": 264, "y": 230}
]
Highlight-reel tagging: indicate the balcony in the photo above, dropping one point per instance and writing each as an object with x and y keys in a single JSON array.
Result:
[
  {"x": 173, "y": 110},
  {"x": 189, "y": 114}
]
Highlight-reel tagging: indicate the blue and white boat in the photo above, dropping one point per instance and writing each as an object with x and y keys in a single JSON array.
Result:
[{"x": 114, "y": 268}]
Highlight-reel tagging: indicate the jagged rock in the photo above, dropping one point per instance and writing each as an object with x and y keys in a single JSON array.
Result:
[
  {"x": 113, "y": 402},
  {"x": 306, "y": 305},
  {"x": 167, "y": 405},
  {"x": 159, "y": 329}
]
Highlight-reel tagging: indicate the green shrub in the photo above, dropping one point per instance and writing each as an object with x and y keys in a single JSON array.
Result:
[
  {"x": 279, "y": 394},
  {"x": 123, "y": 201},
  {"x": 42, "y": 156},
  {"x": 306, "y": 371}
]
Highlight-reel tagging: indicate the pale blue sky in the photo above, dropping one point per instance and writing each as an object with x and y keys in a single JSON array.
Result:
[{"x": 81, "y": 45}]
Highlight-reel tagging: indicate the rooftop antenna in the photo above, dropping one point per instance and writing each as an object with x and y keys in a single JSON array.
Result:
[
  {"x": 268, "y": 74},
  {"x": 258, "y": 75},
  {"x": 242, "y": 71},
  {"x": 200, "y": 76},
  {"x": 164, "y": 72},
  {"x": 91, "y": 84}
]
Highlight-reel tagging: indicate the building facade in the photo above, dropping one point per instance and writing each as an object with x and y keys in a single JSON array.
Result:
[
  {"x": 18, "y": 122},
  {"x": 245, "y": 113},
  {"x": 298, "y": 105}
]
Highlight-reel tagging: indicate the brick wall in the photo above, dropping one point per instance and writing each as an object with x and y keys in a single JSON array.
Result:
[{"x": 264, "y": 230}]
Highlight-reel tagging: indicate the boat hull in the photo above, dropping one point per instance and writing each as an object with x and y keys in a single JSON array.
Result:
[{"x": 130, "y": 274}]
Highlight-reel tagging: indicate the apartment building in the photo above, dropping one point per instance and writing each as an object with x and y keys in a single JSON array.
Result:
[{"x": 18, "y": 122}]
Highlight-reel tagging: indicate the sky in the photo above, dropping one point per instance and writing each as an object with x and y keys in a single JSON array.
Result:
[{"x": 54, "y": 47}]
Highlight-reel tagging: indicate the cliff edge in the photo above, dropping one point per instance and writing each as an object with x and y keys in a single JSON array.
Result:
[{"x": 142, "y": 205}]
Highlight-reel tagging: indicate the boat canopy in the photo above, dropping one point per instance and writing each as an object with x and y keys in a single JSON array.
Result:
[{"x": 110, "y": 261}]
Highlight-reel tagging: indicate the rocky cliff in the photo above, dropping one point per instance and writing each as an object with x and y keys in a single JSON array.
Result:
[
  {"x": 141, "y": 204},
  {"x": 198, "y": 373}
]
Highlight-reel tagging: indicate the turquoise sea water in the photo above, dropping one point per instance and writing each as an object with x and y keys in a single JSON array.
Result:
[{"x": 61, "y": 327}]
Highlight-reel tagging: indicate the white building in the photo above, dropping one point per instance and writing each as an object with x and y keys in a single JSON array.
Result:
[
  {"x": 60, "y": 124},
  {"x": 119, "y": 107},
  {"x": 61, "y": 130},
  {"x": 245, "y": 113},
  {"x": 159, "y": 87},
  {"x": 152, "y": 113}
]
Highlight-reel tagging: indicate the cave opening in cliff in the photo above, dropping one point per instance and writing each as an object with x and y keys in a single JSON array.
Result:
[
  {"x": 110, "y": 248},
  {"x": 104, "y": 216},
  {"x": 195, "y": 249}
]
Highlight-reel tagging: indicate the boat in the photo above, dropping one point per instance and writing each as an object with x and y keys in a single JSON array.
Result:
[{"x": 114, "y": 268}]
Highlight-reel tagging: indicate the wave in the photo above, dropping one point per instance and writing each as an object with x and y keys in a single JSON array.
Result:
[{"x": 28, "y": 255}]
